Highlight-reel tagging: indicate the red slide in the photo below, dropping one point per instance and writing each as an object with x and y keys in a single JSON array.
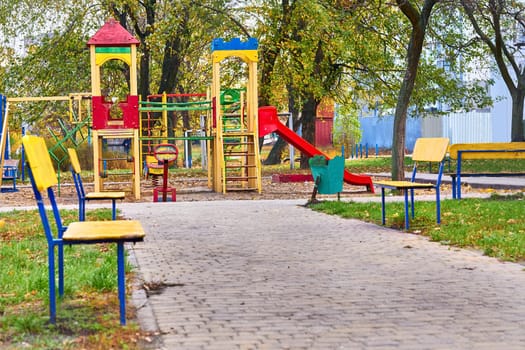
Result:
[{"x": 269, "y": 122}]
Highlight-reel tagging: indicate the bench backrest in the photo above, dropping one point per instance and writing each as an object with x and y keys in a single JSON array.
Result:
[
  {"x": 10, "y": 168},
  {"x": 39, "y": 161},
  {"x": 494, "y": 150},
  {"x": 43, "y": 178},
  {"x": 430, "y": 149}
]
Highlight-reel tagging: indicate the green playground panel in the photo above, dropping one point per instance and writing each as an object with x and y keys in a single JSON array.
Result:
[{"x": 327, "y": 173}]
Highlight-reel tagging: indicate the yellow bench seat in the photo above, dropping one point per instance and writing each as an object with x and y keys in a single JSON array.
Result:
[
  {"x": 104, "y": 231},
  {"x": 105, "y": 195},
  {"x": 404, "y": 184}
]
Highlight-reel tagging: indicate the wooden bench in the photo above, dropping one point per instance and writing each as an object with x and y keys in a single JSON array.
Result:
[
  {"x": 426, "y": 150},
  {"x": 84, "y": 196},
  {"x": 43, "y": 180},
  {"x": 498, "y": 150},
  {"x": 10, "y": 173}
]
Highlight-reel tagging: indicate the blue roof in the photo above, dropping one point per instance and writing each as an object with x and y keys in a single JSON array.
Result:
[{"x": 234, "y": 44}]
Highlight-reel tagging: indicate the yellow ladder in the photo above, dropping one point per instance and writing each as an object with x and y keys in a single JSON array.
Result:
[{"x": 241, "y": 160}]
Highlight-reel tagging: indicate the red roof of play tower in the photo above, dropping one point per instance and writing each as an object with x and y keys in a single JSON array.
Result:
[{"x": 112, "y": 34}]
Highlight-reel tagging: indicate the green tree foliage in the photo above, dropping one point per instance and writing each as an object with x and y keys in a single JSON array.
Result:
[
  {"x": 360, "y": 53},
  {"x": 346, "y": 130},
  {"x": 175, "y": 43},
  {"x": 50, "y": 56},
  {"x": 309, "y": 57}
]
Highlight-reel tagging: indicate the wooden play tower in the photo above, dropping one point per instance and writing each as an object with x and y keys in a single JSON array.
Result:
[
  {"x": 234, "y": 150},
  {"x": 113, "y": 119}
]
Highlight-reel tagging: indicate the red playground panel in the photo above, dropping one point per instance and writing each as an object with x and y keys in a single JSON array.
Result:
[{"x": 279, "y": 178}]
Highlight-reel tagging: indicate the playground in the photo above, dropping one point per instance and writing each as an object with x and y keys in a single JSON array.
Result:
[
  {"x": 292, "y": 278},
  {"x": 227, "y": 124}
]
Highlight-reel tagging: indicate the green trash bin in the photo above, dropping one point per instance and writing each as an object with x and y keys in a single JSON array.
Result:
[{"x": 327, "y": 174}]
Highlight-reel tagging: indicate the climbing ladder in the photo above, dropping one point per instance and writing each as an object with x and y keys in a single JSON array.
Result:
[{"x": 241, "y": 157}]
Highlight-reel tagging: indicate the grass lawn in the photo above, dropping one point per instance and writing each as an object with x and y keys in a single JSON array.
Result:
[{"x": 87, "y": 317}]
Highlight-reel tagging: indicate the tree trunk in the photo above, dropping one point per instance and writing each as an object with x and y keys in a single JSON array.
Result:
[
  {"x": 308, "y": 116},
  {"x": 419, "y": 23},
  {"x": 170, "y": 66},
  {"x": 276, "y": 153},
  {"x": 143, "y": 79},
  {"x": 517, "y": 114},
  {"x": 277, "y": 150}
]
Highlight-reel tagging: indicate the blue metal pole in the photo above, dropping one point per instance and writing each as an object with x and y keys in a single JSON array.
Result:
[
  {"x": 383, "y": 207},
  {"x": 23, "y": 157},
  {"x": 406, "y": 210},
  {"x": 121, "y": 282},
  {"x": 113, "y": 209},
  {"x": 60, "y": 249},
  {"x": 52, "y": 283}
]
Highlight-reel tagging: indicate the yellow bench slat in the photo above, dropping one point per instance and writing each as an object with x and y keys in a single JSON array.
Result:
[
  {"x": 506, "y": 149},
  {"x": 403, "y": 184},
  {"x": 115, "y": 230},
  {"x": 105, "y": 195}
]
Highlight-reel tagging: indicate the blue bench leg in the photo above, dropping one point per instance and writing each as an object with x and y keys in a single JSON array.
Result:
[
  {"x": 407, "y": 218},
  {"x": 82, "y": 210},
  {"x": 458, "y": 185},
  {"x": 383, "y": 214},
  {"x": 113, "y": 209},
  {"x": 438, "y": 207},
  {"x": 454, "y": 195},
  {"x": 60, "y": 270},
  {"x": 52, "y": 286},
  {"x": 121, "y": 282},
  {"x": 412, "y": 201}
]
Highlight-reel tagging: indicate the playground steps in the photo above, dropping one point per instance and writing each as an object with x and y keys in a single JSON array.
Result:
[{"x": 240, "y": 161}]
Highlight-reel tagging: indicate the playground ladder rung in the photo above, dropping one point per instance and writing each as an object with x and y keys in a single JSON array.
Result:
[
  {"x": 239, "y": 144},
  {"x": 233, "y": 189},
  {"x": 240, "y": 178},
  {"x": 239, "y": 153},
  {"x": 240, "y": 166},
  {"x": 239, "y": 134}
]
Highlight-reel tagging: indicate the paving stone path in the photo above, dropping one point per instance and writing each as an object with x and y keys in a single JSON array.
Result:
[{"x": 276, "y": 275}]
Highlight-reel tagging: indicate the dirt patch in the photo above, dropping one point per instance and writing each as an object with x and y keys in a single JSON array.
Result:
[
  {"x": 196, "y": 189},
  {"x": 188, "y": 189}
]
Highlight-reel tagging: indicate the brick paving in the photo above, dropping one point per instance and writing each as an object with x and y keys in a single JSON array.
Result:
[{"x": 275, "y": 275}]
